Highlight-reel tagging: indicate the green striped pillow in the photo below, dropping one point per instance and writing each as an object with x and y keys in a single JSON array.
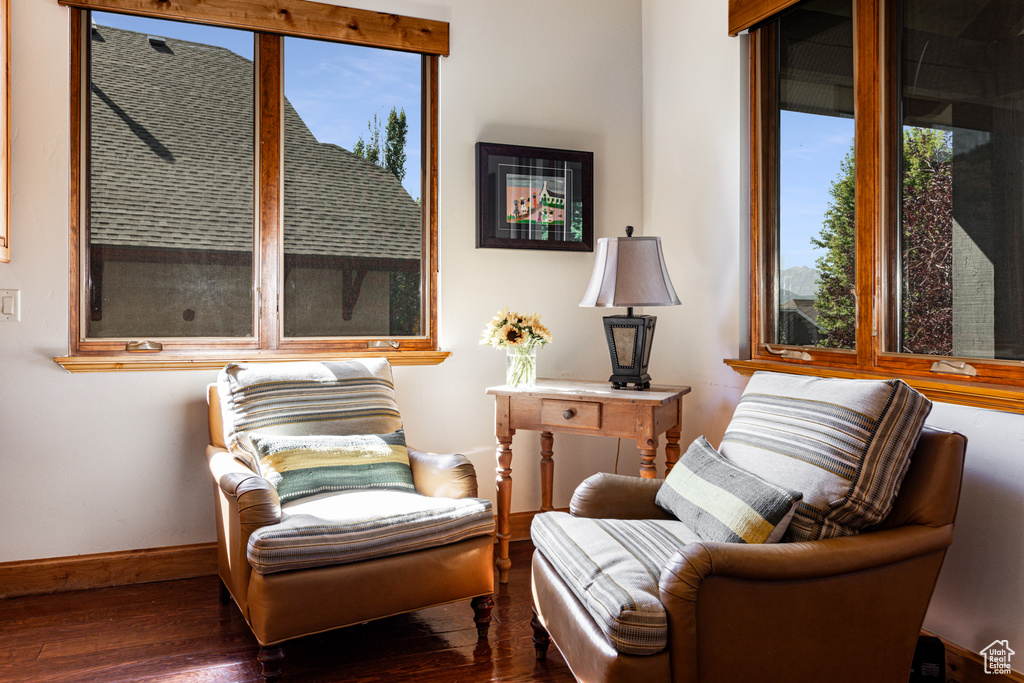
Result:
[
  {"x": 300, "y": 466},
  {"x": 721, "y": 502}
]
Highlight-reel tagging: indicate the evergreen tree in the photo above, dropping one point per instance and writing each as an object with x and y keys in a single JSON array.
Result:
[
  {"x": 927, "y": 242},
  {"x": 835, "y": 300},
  {"x": 370, "y": 148},
  {"x": 927, "y": 247},
  {"x": 404, "y": 290},
  {"x": 394, "y": 147},
  {"x": 389, "y": 152}
]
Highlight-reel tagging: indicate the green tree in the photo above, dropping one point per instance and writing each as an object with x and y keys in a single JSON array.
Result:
[
  {"x": 370, "y": 149},
  {"x": 388, "y": 151},
  {"x": 835, "y": 300},
  {"x": 394, "y": 146},
  {"x": 927, "y": 242},
  {"x": 927, "y": 249}
]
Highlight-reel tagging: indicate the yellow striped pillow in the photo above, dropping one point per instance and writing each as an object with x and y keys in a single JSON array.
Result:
[{"x": 721, "y": 502}]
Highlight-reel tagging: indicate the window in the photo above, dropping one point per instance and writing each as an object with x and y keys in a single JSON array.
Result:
[
  {"x": 815, "y": 216},
  {"x": 961, "y": 185},
  {"x": 169, "y": 234},
  {"x": 246, "y": 193},
  {"x": 887, "y": 226}
]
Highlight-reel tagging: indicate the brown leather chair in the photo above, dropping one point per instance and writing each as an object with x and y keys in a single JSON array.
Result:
[
  {"x": 291, "y": 604},
  {"x": 843, "y": 609}
]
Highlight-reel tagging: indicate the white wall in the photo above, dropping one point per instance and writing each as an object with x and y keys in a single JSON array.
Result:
[
  {"x": 693, "y": 201},
  {"x": 113, "y": 461},
  {"x": 694, "y": 194}
]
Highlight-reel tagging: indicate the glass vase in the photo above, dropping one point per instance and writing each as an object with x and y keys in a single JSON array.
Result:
[{"x": 520, "y": 366}]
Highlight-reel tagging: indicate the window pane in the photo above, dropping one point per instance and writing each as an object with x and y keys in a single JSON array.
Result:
[
  {"x": 815, "y": 258},
  {"x": 353, "y": 231},
  {"x": 170, "y": 214},
  {"x": 962, "y": 237}
]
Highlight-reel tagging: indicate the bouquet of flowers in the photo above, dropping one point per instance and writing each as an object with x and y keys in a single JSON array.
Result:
[{"x": 520, "y": 335}]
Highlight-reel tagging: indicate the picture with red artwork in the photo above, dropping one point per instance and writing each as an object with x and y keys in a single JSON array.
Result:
[{"x": 536, "y": 200}]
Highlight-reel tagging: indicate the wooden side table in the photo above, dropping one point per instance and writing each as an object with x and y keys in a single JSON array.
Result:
[{"x": 579, "y": 407}]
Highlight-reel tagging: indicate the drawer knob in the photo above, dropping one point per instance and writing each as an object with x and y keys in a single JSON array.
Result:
[{"x": 569, "y": 414}]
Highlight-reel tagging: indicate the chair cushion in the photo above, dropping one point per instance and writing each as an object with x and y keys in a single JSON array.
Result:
[
  {"x": 844, "y": 443},
  {"x": 301, "y": 466},
  {"x": 307, "y": 397},
  {"x": 340, "y": 528},
  {"x": 613, "y": 567},
  {"x": 722, "y": 502}
]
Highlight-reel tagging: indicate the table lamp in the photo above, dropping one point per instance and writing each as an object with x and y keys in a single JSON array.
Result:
[{"x": 629, "y": 271}]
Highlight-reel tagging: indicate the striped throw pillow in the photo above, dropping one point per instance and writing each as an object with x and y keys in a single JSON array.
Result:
[
  {"x": 722, "y": 502},
  {"x": 845, "y": 443},
  {"x": 300, "y": 466},
  {"x": 307, "y": 397}
]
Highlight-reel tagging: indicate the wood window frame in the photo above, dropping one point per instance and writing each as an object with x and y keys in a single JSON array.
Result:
[
  {"x": 998, "y": 384},
  {"x": 270, "y": 22}
]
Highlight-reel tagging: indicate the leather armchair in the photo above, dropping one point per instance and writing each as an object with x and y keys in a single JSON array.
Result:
[
  {"x": 843, "y": 609},
  {"x": 285, "y": 605}
]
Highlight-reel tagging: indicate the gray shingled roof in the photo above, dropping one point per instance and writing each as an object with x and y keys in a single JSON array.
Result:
[{"x": 172, "y": 161}]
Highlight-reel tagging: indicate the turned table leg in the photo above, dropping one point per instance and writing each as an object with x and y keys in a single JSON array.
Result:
[
  {"x": 647, "y": 442},
  {"x": 647, "y": 468},
  {"x": 547, "y": 470},
  {"x": 672, "y": 449},
  {"x": 504, "y": 486}
]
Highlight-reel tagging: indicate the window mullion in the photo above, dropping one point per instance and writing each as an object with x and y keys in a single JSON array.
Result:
[
  {"x": 269, "y": 186},
  {"x": 867, "y": 160}
]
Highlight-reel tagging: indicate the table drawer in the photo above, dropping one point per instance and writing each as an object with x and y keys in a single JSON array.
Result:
[{"x": 581, "y": 414}]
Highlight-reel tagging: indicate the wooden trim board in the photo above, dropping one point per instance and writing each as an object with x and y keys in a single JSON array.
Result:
[
  {"x": 99, "y": 570},
  {"x": 964, "y": 666},
  {"x": 301, "y": 18}
]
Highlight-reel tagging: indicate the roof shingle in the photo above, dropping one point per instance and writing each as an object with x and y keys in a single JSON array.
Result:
[{"x": 172, "y": 159}]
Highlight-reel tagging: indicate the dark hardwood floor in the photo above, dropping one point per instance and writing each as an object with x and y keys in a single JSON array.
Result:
[{"x": 178, "y": 631}]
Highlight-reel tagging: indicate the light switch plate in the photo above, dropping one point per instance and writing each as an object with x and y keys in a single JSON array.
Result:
[{"x": 10, "y": 305}]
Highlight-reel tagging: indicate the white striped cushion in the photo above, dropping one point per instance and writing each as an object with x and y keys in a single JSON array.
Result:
[
  {"x": 307, "y": 397},
  {"x": 844, "y": 443},
  {"x": 613, "y": 567},
  {"x": 340, "y": 528}
]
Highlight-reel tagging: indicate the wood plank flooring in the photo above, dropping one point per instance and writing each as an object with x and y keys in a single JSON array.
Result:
[{"x": 178, "y": 631}]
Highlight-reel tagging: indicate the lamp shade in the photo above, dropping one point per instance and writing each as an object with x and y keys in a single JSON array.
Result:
[{"x": 629, "y": 271}]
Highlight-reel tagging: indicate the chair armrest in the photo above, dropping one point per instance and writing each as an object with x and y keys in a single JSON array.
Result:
[
  {"x": 877, "y": 584},
  {"x": 801, "y": 561},
  {"x": 257, "y": 500},
  {"x": 448, "y": 475},
  {"x": 616, "y": 496}
]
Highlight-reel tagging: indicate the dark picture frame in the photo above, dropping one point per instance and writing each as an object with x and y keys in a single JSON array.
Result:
[{"x": 534, "y": 198}]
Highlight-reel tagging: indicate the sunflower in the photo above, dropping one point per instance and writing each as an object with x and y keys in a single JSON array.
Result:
[
  {"x": 541, "y": 331},
  {"x": 511, "y": 329},
  {"x": 511, "y": 335}
]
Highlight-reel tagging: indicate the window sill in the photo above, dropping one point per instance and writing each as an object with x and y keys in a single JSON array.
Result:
[
  {"x": 944, "y": 390},
  {"x": 160, "y": 361}
]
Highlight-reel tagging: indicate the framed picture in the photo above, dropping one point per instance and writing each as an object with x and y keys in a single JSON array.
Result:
[{"x": 534, "y": 198}]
